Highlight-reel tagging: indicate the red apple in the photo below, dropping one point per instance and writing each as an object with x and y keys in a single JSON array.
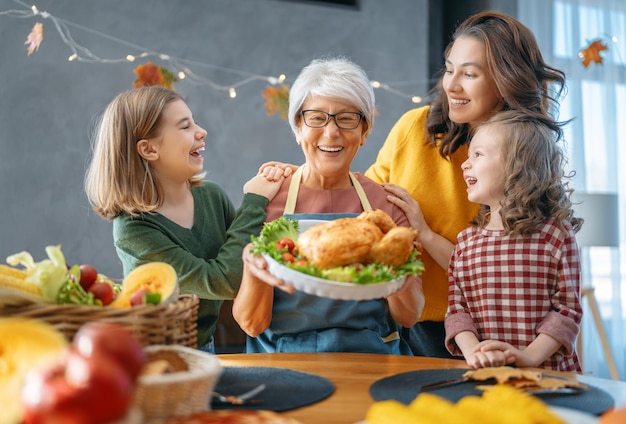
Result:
[
  {"x": 114, "y": 340},
  {"x": 106, "y": 387},
  {"x": 47, "y": 398},
  {"x": 88, "y": 276},
  {"x": 77, "y": 390}
]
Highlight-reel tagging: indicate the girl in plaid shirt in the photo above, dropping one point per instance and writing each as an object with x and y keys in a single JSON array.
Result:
[{"x": 514, "y": 277}]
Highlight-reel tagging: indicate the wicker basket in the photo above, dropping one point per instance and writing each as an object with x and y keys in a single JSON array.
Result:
[
  {"x": 181, "y": 393},
  {"x": 167, "y": 324}
]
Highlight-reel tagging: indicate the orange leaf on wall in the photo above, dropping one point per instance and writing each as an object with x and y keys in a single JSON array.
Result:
[
  {"x": 277, "y": 100},
  {"x": 35, "y": 38},
  {"x": 151, "y": 74},
  {"x": 591, "y": 53}
]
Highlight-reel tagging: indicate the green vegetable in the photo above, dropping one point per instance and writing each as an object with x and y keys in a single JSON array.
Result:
[
  {"x": 49, "y": 274},
  {"x": 56, "y": 282},
  {"x": 273, "y": 231},
  {"x": 72, "y": 292}
]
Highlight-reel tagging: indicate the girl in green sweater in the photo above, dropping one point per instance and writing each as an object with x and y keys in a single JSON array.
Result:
[{"x": 146, "y": 175}]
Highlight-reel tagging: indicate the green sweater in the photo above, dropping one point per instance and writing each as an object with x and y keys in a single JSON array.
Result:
[{"x": 207, "y": 257}]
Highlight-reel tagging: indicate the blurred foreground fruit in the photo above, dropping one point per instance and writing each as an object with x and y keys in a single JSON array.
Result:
[
  {"x": 614, "y": 416},
  {"x": 24, "y": 344},
  {"x": 114, "y": 340},
  {"x": 93, "y": 382}
]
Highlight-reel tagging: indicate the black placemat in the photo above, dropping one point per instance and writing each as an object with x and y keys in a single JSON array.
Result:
[
  {"x": 285, "y": 389},
  {"x": 406, "y": 386}
]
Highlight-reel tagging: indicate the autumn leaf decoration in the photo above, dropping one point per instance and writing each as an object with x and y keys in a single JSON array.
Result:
[
  {"x": 35, "y": 38},
  {"x": 591, "y": 53},
  {"x": 151, "y": 74},
  {"x": 277, "y": 100}
]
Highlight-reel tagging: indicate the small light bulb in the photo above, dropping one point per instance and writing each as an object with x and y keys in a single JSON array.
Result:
[
  {"x": 281, "y": 78},
  {"x": 72, "y": 57},
  {"x": 34, "y": 9},
  {"x": 181, "y": 75},
  {"x": 416, "y": 99},
  {"x": 130, "y": 58},
  {"x": 376, "y": 84},
  {"x": 232, "y": 93}
]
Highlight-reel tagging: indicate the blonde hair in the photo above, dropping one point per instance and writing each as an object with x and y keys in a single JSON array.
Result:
[
  {"x": 535, "y": 186},
  {"x": 118, "y": 179}
]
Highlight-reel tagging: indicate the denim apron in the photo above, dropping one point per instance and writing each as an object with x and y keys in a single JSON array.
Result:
[{"x": 306, "y": 323}]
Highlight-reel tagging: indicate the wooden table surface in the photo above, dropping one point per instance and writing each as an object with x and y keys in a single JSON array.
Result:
[{"x": 354, "y": 373}]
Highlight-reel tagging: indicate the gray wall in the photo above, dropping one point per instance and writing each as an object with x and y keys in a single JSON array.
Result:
[{"x": 47, "y": 104}]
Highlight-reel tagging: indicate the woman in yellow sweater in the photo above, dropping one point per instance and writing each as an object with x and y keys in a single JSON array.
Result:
[{"x": 493, "y": 63}]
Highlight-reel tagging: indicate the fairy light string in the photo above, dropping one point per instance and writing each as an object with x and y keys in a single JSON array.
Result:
[{"x": 183, "y": 69}]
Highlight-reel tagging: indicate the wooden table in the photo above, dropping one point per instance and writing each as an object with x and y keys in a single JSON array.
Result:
[{"x": 353, "y": 373}]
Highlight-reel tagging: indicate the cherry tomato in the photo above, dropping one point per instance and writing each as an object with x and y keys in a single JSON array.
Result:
[
  {"x": 88, "y": 276},
  {"x": 287, "y": 243},
  {"x": 103, "y": 291},
  {"x": 288, "y": 257}
]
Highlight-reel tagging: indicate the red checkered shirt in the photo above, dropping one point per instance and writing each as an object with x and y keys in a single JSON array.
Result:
[{"x": 512, "y": 288}]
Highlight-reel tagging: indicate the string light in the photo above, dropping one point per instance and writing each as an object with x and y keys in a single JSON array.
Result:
[{"x": 180, "y": 67}]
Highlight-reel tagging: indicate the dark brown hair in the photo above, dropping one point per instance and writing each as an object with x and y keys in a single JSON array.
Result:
[{"x": 514, "y": 61}]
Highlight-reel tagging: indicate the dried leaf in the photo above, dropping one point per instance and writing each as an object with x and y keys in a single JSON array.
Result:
[
  {"x": 150, "y": 74},
  {"x": 502, "y": 374},
  {"x": 277, "y": 100},
  {"x": 592, "y": 52},
  {"x": 35, "y": 38}
]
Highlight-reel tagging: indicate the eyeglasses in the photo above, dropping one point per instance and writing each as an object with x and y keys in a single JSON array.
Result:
[{"x": 343, "y": 120}]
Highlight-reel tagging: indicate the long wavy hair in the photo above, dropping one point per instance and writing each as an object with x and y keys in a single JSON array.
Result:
[
  {"x": 118, "y": 179},
  {"x": 523, "y": 79},
  {"x": 535, "y": 186}
]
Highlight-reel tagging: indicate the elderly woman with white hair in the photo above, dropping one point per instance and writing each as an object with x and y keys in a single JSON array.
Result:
[{"x": 331, "y": 113}]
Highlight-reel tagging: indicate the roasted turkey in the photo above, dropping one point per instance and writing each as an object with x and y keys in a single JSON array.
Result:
[{"x": 371, "y": 237}]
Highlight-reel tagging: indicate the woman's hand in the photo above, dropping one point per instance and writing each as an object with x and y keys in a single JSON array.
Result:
[
  {"x": 406, "y": 305},
  {"x": 257, "y": 266},
  {"x": 274, "y": 171},
  {"x": 439, "y": 247},
  {"x": 403, "y": 199}
]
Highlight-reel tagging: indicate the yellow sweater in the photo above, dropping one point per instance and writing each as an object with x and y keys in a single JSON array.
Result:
[{"x": 437, "y": 184}]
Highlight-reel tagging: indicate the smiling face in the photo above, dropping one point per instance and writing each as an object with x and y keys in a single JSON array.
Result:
[
  {"x": 175, "y": 151},
  {"x": 483, "y": 170},
  {"x": 329, "y": 151},
  {"x": 471, "y": 91}
]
